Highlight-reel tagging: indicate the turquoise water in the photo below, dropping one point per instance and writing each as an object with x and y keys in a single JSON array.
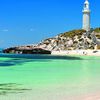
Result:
[{"x": 62, "y": 76}]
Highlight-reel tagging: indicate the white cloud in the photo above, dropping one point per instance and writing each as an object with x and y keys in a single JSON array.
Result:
[
  {"x": 5, "y": 30},
  {"x": 32, "y": 29}
]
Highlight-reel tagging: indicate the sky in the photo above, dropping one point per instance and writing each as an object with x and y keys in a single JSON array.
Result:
[{"x": 30, "y": 21}]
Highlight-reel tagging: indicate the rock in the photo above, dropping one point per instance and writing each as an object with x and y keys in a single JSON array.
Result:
[
  {"x": 26, "y": 50},
  {"x": 72, "y": 40}
]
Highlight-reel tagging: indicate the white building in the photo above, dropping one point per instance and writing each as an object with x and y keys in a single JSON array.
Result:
[{"x": 86, "y": 16}]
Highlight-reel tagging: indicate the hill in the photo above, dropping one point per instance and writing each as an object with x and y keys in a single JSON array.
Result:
[{"x": 71, "y": 40}]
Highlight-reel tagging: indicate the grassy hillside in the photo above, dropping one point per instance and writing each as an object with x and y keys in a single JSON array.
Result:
[
  {"x": 97, "y": 30},
  {"x": 79, "y": 33},
  {"x": 73, "y": 33}
]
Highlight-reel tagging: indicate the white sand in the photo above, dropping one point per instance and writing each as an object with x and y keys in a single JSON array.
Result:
[
  {"x": 52, "y": 95},
  {"x": 77, "y": 52}
]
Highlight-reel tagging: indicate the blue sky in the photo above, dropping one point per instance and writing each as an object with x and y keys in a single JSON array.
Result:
[{"x": 30, "y": 21}]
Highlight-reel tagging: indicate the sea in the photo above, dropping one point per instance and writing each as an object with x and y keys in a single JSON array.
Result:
[{"x": 49, "y": 77}]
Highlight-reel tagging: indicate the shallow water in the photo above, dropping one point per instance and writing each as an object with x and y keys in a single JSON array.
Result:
[{"x": 41, "y": 77}]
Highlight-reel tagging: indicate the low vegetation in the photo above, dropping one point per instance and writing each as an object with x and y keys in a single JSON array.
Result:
[
  {"x": 97, "y": 30},
  {"x": 73, "y": 33}
]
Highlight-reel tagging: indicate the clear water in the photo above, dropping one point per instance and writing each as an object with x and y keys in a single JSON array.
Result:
[{"x": 41, "y": 77}]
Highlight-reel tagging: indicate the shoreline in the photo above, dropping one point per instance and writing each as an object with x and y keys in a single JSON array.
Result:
[
  {"x": 77, "y": 52},
  {"x": 70, "y": 53}
]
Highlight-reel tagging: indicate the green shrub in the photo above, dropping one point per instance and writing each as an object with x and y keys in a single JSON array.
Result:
[
  {"x": 73, "y": 33},
  {"x": 97, "y": 30}
]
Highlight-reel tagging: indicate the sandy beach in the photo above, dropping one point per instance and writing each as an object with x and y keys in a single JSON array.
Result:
[
  {"x": 51, "y": 94},
  {"x": 77, "y": 52}
]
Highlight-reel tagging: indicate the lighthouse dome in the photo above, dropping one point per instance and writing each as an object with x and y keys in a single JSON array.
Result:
[{"x": 86, "y": 2}]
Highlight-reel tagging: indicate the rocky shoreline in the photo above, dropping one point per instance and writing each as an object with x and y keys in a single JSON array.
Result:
[
  {"x": 26, "y": 50},
  {"x": 72, "y": 40}
]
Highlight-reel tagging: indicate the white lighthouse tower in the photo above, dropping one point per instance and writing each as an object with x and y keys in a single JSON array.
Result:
[{"x": 86, "y": 16}]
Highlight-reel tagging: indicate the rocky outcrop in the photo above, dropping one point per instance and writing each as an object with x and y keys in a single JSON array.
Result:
[
  {"x": 26, "y": 50},
  {"x": 72, "y": 40}
]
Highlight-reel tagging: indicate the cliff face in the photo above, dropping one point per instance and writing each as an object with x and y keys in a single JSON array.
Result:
[{"x": 72, "y": 40}]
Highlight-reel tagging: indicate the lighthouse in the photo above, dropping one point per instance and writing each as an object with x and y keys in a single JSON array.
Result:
[{"x": 86, "y": 16}]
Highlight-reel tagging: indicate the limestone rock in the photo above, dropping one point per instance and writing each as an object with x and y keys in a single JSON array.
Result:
[{"x": 72, "y": 40}]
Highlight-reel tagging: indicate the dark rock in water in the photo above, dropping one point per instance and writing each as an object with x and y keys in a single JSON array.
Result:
[{"x": 19, "y": 50}]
